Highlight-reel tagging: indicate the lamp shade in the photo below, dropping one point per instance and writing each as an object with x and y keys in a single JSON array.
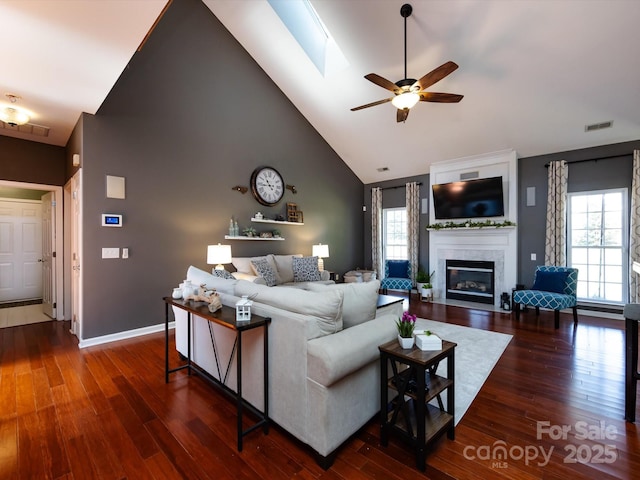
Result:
[
  {"x": 320, "y": 250},
  {"x": 405, "y": 100},
  {"x": 218, "y": 254}
]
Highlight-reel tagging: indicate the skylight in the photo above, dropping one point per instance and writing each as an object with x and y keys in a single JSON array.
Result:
[{"x": 302, "y": 20}]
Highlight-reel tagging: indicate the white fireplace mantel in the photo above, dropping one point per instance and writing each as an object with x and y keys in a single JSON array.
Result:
[{"x": 498, "y": 245}]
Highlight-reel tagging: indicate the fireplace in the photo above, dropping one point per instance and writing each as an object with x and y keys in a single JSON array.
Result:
[{"x": 470, "y": 280}]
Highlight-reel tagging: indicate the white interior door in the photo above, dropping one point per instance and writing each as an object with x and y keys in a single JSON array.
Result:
[
  {"x": 20, "y": 250},
  {"x": 48, "y": 255},
  {"x": 76, "y": 254}
]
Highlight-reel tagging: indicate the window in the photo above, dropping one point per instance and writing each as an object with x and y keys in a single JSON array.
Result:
[
  {"x": 394, "y": 224},
  {"x": 597, "y": 244}
]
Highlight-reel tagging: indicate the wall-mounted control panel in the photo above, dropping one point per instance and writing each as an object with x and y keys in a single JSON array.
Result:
[{"x": 111, "y": 220}]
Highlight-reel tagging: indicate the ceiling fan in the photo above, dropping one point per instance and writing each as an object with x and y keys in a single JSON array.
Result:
[{"x": 410, "y": 91}]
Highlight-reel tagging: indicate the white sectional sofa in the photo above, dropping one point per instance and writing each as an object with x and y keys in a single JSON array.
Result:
[{"x": 323, "y": 355}]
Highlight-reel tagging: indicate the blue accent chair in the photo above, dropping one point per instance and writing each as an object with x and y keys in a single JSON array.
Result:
[
  {"x": 397, "y": 276},
  {"x": 554, "y": 288}
]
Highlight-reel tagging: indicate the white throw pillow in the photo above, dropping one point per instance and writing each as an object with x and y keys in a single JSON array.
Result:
[{"x": 360, "y": 300}]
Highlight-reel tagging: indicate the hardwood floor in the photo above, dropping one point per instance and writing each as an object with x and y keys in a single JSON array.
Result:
[{"x": 105, "y": 412}]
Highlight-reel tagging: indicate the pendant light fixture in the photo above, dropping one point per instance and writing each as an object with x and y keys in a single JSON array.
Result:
[{"x": 13, "y": 116}]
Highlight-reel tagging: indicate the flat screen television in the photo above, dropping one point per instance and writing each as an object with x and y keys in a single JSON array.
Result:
[{"x": 477, "y": 198}]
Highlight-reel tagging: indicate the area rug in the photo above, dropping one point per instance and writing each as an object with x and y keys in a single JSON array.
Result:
[{"x": 475, "y": 356}]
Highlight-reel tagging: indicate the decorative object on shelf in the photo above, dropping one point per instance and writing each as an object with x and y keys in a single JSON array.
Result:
[
  {"x": 236, "y": 229},
  {"x": 232, "y": 231},
  {"x": 243, "y": 309},
  {"x": 280, "y": 218},
  {"x": 176, "y": 294},
  {"x": 218, "y": 254},
  {"x": 240, "y": 189},
  {"x": 211, "y": 297},
  {"x": 276, "y": 233},
  {"x": 321, "y": 251},
  {"x": 188, "y": 289},
  {"x": 293, "y": 214},
  {"x": 266, "y": 234},
  {"x": 293, "y": 189},
  {"x": 258, "y": 216},
  {"x": 249, "y": 232},
  {"x": 471, "y": 224},
  {"x": 405, "y": 325},
  {"x": 427, "y": 340},
  {"x": 267, "y": 186}
]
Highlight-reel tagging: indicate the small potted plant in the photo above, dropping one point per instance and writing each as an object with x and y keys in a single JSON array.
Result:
[
  {"x": 423, "y": 279},
  {"x": 249, "y": 232},
  {"x": 405, "y": 325}
]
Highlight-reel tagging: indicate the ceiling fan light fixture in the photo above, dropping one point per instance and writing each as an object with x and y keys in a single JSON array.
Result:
[
  {"x": 13, "y": 116},
  {"x": 405, "y": 100}
]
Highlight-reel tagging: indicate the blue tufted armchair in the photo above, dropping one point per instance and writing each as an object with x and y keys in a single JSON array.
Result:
[
  {"x": 397, "y": 276},
  {"x": 554, "y": 288}
]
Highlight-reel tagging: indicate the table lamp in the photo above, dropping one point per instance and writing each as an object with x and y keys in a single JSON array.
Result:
[
  {"x": 218, "y": 254},
  {"x": 321, "y": 251}
]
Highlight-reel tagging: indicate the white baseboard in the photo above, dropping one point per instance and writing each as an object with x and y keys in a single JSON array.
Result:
[{"x": 114, "y": 337}]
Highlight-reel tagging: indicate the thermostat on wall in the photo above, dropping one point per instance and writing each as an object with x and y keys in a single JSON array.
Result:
[{"x": 111, "y": 220}]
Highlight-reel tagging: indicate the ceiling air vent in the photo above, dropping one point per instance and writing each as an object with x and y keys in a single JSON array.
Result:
[
  {"x": 383, "y": 169},
  {"x": 598, "y": 126},
  {"x": 28, "y": 128}
]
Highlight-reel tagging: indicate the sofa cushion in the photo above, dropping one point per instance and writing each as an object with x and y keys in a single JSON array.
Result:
[
  {"x": 331, "y": 358},
  {"x": 222, "y": 274},
  {"x": 322, "y": 308},
  {"x": 360, "y": 300},
  {"x": 200, "y": 277},
  {"x": 305, "y": 269},
  {"x": 243, "y": 265},
  {"x": 550, "y": 281},
  {"x": 284, "y": 267},
  {"x": 264, "y": 270}
]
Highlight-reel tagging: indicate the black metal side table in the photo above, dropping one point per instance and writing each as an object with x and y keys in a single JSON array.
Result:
[
  {"x": 225, "y": 317},
  {"x": 414, "y": 379}
]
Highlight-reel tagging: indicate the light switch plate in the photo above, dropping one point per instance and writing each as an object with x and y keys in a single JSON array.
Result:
[{"x": 111, "y": 253}]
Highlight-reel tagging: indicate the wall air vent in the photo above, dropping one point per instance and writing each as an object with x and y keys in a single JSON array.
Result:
[
  {"x": 598, "y": 126},
  {"x": 28, "y": 128}
]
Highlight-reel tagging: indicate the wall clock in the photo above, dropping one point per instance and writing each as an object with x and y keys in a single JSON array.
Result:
[{"x": 267, "y": 186}]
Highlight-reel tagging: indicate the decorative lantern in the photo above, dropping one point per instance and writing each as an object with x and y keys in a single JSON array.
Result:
[{"x": 243, "y": 309}]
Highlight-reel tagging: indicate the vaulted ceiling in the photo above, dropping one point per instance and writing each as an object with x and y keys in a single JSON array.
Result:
[{"x": 533, "y": 73}]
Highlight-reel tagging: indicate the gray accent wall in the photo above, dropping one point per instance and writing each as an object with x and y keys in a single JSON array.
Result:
[
  {"x": 597, "y": 168},
  {"x": 190, "y": 117}
]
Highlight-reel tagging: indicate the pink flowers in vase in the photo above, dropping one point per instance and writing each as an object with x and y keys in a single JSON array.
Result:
[{"x": 406, "y": 324}]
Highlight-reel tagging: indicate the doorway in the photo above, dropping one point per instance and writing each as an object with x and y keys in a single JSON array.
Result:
[{"x": 23, "y": 279}]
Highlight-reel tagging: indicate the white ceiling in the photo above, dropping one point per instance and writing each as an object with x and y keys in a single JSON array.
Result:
[{"x": 533, "y": 72}]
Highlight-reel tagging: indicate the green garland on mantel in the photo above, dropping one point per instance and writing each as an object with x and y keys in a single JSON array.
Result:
[{"x": 483, "y": 224}]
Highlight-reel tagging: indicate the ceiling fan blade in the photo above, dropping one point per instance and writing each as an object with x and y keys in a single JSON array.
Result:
[
  {"x": 436, "y": 75},
  {"x": 440, "y": 97},
  {"x": 383, "y": 82},
  {"x": 402, "y": 114},
  {"x": 373, "y": 104}
]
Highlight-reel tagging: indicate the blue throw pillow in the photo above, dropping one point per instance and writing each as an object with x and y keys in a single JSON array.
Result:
[
  {"x": 398, "y": 268},
  {"x": 550, "y": 281}
]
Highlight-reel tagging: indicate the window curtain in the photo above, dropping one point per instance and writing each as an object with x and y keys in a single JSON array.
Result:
[
  {"x": 634, "y": 227},
  {"x": 556, "y": 231},
  {"x": 376, "y": 230},
  {"x": 413, "y": 225}
]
